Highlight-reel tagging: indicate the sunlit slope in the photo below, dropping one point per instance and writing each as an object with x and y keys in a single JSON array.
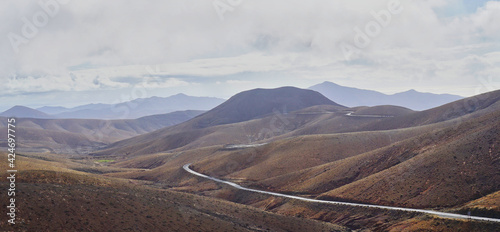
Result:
[
  {"x": 52, "y": 197},
  {"x": 220, "y": 125},
  {"x": 72, "y": 134}
]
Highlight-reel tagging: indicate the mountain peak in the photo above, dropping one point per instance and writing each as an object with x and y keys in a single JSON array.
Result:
[
  {"x": 180, "y": 95},
  {"x": 329, "y": 82},
  {"x": 18, "y": 107},
  {"x": 24, "y": 112},
  {"x": 258, "y": 103},
  {"x": 411, "y": 99}
]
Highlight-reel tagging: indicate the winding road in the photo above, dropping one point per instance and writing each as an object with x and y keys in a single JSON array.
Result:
[
  {"x": 350, "y": 114},
  {"x": 437, "y": 213}
]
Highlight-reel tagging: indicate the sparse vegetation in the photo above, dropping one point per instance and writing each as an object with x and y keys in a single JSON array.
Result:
[
  {"x": 55, "y": 198},
  {"x": 445, "y": 158}
]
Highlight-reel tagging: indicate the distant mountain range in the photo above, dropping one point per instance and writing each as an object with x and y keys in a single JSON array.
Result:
[
  {"x": 346, "y": 96},
  {"x": 411, "y": 99},
  {"x": 127, "y": 110},
  {"x": 62, "y": 135},
  {"x": 24, "y": 112}
]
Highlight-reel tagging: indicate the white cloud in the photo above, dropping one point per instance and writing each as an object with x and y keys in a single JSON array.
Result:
[
  {"x": 158, "y": 82},
  {"x": 487, "y": 21},
  {"x": 161, "y": 43}
]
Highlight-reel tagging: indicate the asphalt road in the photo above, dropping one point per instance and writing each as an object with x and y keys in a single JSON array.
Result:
[
  {"x": 367, "y": 115},
  {"x": 437, "y": 213}
]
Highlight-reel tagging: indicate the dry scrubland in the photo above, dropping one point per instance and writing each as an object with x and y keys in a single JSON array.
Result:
[
  {"x": 67, "y": 135},
  {"x": 446, "y": 158},
  {"x": 53, "y": 197}
]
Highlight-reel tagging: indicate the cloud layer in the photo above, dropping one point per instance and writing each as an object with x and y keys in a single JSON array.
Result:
[{"x": 66, "y": 46}]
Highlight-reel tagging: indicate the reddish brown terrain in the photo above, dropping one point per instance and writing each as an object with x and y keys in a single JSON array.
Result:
[{"x": 289, "y": 141}]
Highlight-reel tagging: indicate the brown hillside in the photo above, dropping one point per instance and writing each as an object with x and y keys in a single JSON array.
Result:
[
  {"x": 487, "y": 206},
  {"x": 450, "y": 159},
  {"x": 59, "y": 200},
  {"x": 257, "y": 103},
  {"x": 221, "y": 122},
  {"x": 473, "y": 106},
  {"x": 312, "y": 120},
  {"x": 322, "y": 119},
  {"x": 488, "y": 202},
  {"x": 289, "y": 155},
  {"x": 70, "y": 134},
  {"x": 385, "y": 110},
  {"x": 457, "y": 166},
  {"x": 287, "y": 160},
  {"x": 52, "y": 140}
]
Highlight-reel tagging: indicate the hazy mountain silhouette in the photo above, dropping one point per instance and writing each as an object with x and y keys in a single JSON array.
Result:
[
  {"x": 24, "y": 112},
  {"x": 53, "y": 109},
  {"x": 412, "y": 99},
  {"x": 55, "y": 134},
  {"x": 134, "y": 109}
]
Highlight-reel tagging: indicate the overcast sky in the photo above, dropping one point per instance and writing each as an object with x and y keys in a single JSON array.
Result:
[{"x": 76, "y": 52}]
